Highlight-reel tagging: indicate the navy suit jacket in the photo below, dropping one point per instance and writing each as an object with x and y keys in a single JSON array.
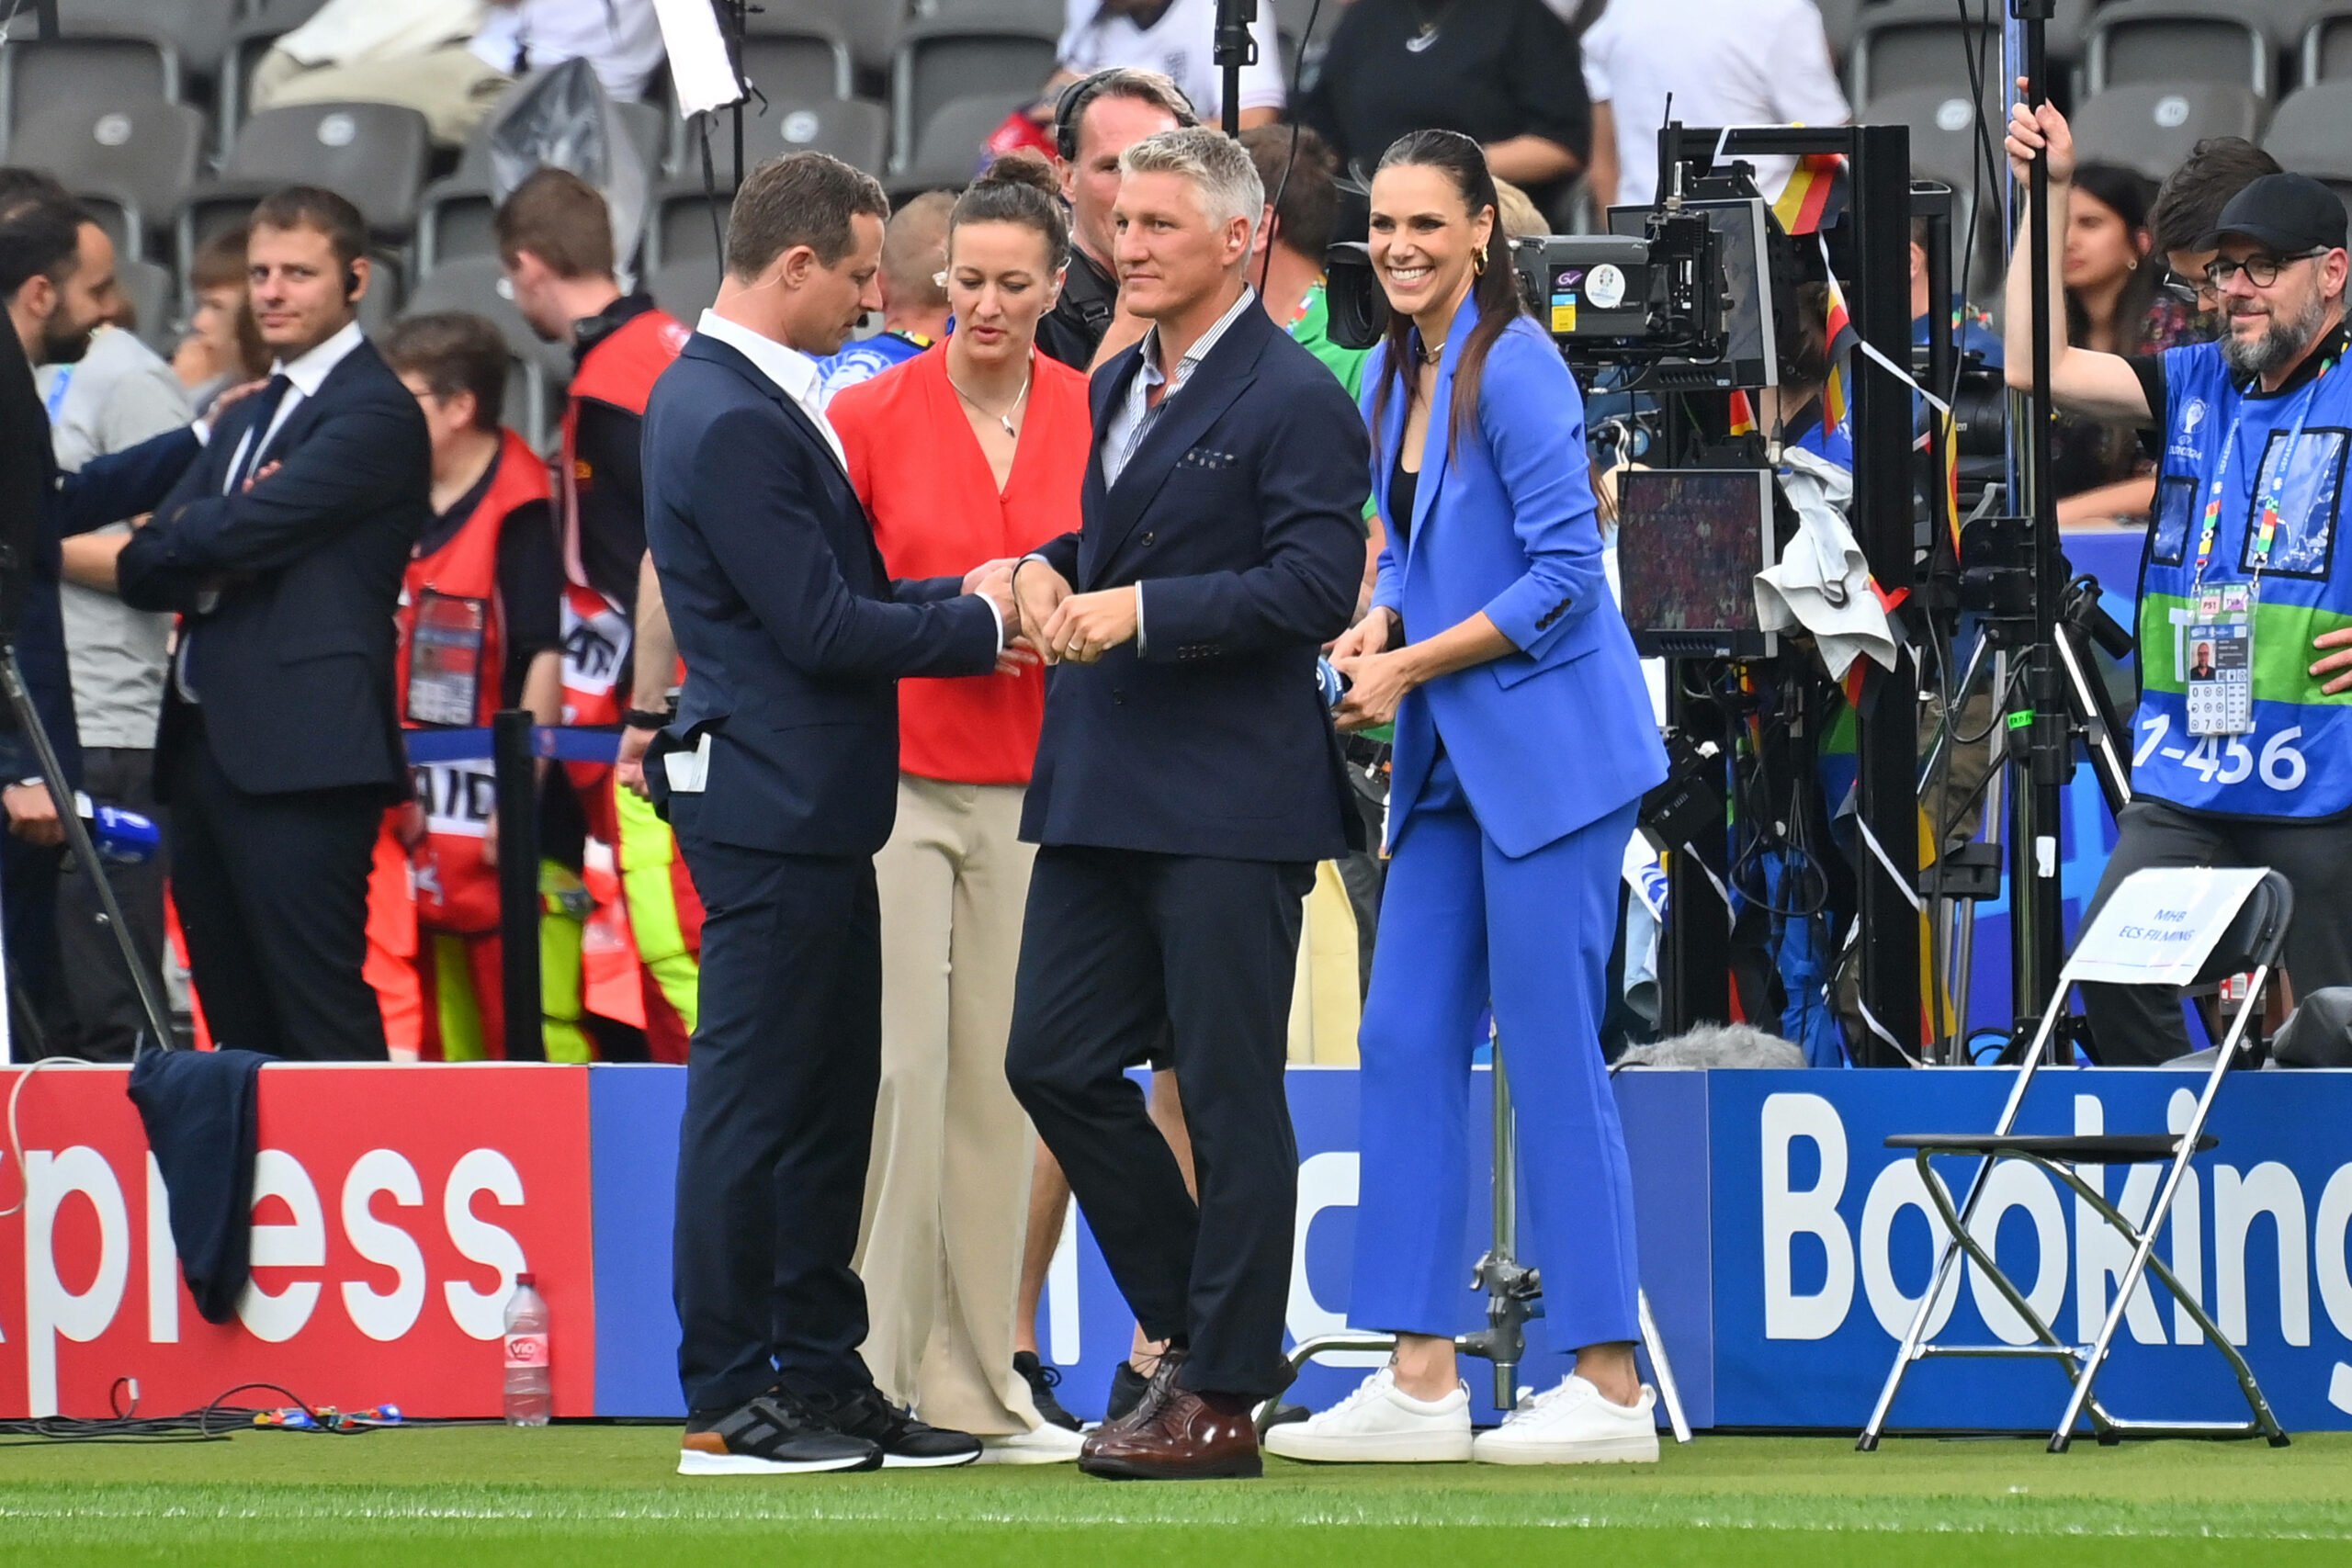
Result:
[
  {"x": 793, "y": 632},
  {"x": 294, "y": 662},
  {"x": 1242, "y": 515},
  {"x": 106, "y": 490}
]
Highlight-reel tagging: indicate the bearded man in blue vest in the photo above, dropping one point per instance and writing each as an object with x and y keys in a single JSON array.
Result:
[{"x": 2235, "y": 761}]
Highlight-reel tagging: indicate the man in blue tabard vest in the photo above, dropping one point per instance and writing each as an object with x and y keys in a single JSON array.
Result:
[{"x": 2242, "y": 747}]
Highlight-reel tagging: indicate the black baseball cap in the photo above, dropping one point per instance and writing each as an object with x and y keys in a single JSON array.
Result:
[{"x": 2290, "y": 213}]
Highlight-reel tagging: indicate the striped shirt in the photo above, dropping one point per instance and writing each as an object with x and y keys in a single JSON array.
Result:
[{"x": 1134, "y": 417}]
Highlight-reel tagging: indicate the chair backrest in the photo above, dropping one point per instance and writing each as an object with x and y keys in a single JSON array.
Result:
[
  {"x": 2176, "y": 40},
  {"x": 1839, "y": 20},
  {"x": 1034, "y": 12},
  {"x": 1943, "y": 125},
  {"x": 852, "y": 129},
  {"x": 682, "y": 230},
  {"x": 375, "y": 153},
  {"x": 197, "y": 28},
  {"x": 476, "y": 284},
  {"x": 946, "y": 58},
  {"x": 809, "y": 60},
  {"x": 144, "y": 150},
  {"x": 685, "y": 288},
  {"x": 951, "y": 146},
  {"x": 2325, "y": 46},
  {"x": 870, "y": 27},
  {"x": 41, "y": 75},
  {"x": 152, "y": 303},
  {"x": 2257, "y": 936},
  {"x": 455, "y": 218},
  {"x": 1894, "y": 45},
  {"x": 647, "y": 125},
  {"x": 2312, "y": 131},
  {"x": 2153, "y": 126}
]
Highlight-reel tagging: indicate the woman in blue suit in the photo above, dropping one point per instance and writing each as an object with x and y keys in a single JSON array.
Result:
[{"x": 1524, "y": 743}]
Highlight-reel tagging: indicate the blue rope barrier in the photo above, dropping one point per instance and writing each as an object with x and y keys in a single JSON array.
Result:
[{"x": 560, "y": 744}]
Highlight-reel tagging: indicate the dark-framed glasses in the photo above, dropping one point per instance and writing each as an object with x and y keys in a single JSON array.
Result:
[
  {"x": 2188, "y": 290},
  {"x": 2261, "y": 270}
]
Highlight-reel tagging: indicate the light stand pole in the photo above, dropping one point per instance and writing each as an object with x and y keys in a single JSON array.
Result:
[
  {"x": 2038, "y": 938},
  {"x": 1235, "y": 49}
]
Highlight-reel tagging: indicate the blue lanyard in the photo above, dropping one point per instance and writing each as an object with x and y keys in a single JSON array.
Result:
[{"x": 2267, "y": 523}]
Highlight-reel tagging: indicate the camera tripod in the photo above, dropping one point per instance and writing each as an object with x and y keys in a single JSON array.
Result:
[
  {"x": 1514, "y": 1294},
  {"x": 77, "y": 839}
]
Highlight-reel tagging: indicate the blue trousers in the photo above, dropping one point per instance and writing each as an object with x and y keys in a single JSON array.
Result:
[{"x": 1460, "y": 924}]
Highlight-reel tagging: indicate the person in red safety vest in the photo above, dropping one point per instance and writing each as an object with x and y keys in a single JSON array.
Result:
[{"x": 479, "y": 631}]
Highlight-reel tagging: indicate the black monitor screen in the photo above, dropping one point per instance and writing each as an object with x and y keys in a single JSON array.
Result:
[{"x": 1690, "y": 543}]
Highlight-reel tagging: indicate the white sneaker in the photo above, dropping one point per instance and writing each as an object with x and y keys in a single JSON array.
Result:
[
  {"x": 1574, "y": 1425},
  {"x": 1380, "y": 1424},
  {"x": 1048, "y": 1444}
]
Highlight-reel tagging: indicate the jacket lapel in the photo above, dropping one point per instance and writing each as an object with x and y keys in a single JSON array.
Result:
[
  {"x": 1189, "y": 414},
  {"x": 1437, "y": 448},
  {"x": 719, "y": 352}
]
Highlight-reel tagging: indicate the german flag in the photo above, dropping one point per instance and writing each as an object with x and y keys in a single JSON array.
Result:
[
  {"x": 1814, "y": 198},
  {"x": 1743, "y": 413},
  {"x": 1842, "y": 341}
]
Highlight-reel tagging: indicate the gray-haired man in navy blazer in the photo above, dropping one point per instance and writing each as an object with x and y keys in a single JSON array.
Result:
[
  {"x": 781, "y": 779},
  {"x": 1187, "y": 781}
]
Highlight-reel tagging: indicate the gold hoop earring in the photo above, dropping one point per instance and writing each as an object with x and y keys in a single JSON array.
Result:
[{"x": 1478, "y": 264}]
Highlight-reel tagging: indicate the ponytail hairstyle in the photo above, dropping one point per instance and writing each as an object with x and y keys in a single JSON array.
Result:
[
  {"x": 1494, "y": 289},
  {"x": 1020, "y": 188}
]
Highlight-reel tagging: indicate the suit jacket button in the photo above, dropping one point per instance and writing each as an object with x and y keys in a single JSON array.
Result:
[
  {"x": 1117, "y": 695},
  {"x": 1149, "y": 536}
]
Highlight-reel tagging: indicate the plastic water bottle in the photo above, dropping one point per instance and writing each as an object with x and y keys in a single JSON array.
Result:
[{"x": 530, "y": 1389}]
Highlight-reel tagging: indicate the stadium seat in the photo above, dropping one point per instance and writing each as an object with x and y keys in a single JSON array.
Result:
[
  {"x": 2325, "y": 45},
  {"x": 153, "y": 309},
  {"x": 2176, "y": 40},
  {"x": 1050, "y": 14},
  {"x": 942, "y": 58},
  {"x": 125, "y": 225},
  {"x": 871, "y": 27},
  {"x": 954, "y": 143},
  {"x": 685, "y": 288},
  {"x": 647, "y": 125},
  {"x": 1902, "y": 44},
  {"x": 41, "y": 75},
  {"x": 139, "y": 155},
  {"x": 2153, "y": 126},
  {"x": 1945, "y": 146},
  {"x": 537, "y": 370},
  {"x": 455, "y": 218},
  {"x": 1839, "y": 20},
  {"x": 375, "y": 153},
  {"x": 198, "y": 28},
  {"x": 807, "y": 60},
  {"x": 2312, "y": 134},
  {"x": 850, "y": 128},
  {"x": 261, "y": 22},
  {"x": 680, "y": 228}
]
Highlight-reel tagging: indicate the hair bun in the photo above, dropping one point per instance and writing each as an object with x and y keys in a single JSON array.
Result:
[{"x": 1020, "y": 167}]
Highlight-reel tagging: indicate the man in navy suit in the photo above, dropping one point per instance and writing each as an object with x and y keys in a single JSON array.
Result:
[
  {"x": 57, "y": 279},
  {"x": 282, "y": 548},
  {"x": 1187, "y": 781},
  {"x": 780, "y": 774}
]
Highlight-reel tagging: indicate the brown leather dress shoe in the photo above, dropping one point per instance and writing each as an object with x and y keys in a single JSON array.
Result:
[{"x": 1176, "y": 1434}]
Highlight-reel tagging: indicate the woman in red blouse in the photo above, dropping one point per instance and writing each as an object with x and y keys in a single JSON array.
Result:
[{"x": 972, "y": 452}]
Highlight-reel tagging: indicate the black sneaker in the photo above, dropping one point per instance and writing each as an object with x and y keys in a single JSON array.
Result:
[
  {"x": 905, "y": 1442},
  {"x": 773, "y": 1435},
  {"x": 1042, "y": 1381},
  {"x": 1127, "y": 1389}
]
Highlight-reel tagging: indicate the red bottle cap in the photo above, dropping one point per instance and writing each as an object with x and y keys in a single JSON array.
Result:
[{"x": 532, "y": 1281}]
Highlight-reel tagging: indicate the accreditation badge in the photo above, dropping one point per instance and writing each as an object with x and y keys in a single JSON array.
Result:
[
  {"x": 445, "y": 658},
  {"x": 2220, "y": 662}
]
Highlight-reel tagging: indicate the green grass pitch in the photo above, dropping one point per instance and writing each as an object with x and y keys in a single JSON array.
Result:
[{"x": 584, "y": 1496}]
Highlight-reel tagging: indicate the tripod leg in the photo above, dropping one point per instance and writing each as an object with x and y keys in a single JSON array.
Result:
[
  {"x": 1671, "y": 1395},
  {"x": 77, "y": 838}
]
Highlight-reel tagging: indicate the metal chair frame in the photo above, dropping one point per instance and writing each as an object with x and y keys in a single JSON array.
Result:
[{"x": 2266, "y": 908}]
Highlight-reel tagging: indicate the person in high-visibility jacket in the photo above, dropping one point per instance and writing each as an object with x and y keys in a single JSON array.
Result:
[
  {"x": 555, "y": 244},
  {"x": 479, "y": 631}
]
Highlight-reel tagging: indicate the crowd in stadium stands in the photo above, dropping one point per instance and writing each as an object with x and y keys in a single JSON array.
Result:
[{"x": 342, "y": 437}]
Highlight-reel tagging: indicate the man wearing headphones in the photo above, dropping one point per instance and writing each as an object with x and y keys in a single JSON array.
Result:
[
  {"x": 283, "y": 548},
  {"x": 1097, "y": 119}
]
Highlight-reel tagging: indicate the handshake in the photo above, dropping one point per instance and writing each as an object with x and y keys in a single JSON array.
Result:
[{"x": 1044, "y": 620}]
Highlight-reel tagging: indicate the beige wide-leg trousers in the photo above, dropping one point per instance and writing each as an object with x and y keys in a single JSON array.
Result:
[{"x": 947, "y": 1190}]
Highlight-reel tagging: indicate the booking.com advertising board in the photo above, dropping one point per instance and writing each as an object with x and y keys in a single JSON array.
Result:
[{"x": 1783, "y": 1246}]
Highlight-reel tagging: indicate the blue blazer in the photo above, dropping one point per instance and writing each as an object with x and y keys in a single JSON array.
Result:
[
  {"x": 1560, "y": 733},
  {"x": 793, "y": 634},
  {"x": 294, "y": 663},
  {"x": 1242, "y": 515}
]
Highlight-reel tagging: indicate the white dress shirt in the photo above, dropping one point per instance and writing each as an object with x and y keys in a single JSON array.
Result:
[
  {"x": 306, "y": 372},
  {"x": 798, "y": 377},
  {"x": 1183, "y": 43}
]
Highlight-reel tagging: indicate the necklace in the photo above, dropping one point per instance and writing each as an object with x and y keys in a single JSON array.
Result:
[
  {"x": 1424, "y": 39},
  {"x": 1004, "y": 419},
  {"x": 1433, "y": 353}
]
